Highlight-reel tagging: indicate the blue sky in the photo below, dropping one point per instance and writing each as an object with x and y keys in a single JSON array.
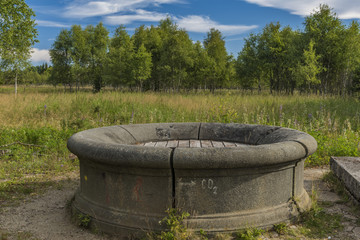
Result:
[{"x": 236, "y": 19}]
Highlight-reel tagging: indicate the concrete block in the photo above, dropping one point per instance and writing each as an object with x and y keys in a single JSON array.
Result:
[{"x": 347, "y": 169}]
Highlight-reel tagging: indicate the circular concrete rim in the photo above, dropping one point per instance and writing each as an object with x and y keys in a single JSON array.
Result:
[{"x": 268, "y": 145}]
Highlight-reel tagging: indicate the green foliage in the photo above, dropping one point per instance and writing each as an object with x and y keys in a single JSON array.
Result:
[
  {"x": 318, "y": 223},
  {"x": 250, "y": 234},
  {"x": 281, "y": 228},
  {"x": 175, "y": 225},
  {"x": 141, "y": 66},
  {"x": 249, "y": 65},
  {"x": 322, "y": 59},
  {"x": 119, "y": 63},
  {"x": 203, "y": 235},
  {"x": 83, "y": 220},
  {"x": 308, "y": 72},
  {"x": 157, "y": 58},
  {"x": 62, "y": 59},
  {"x": 333, "y": 121},
  {"x": 17, "y": 35},
  {"x": 214, "y": 45}
]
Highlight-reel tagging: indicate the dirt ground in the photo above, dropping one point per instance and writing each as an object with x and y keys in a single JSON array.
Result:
[{"x": 47, "y": 216}]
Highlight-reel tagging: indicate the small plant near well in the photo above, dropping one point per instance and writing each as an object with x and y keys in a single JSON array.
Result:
[
  {"x": 176, "y": 230},
  {"x": 83, "y": 220},
  {"x": 250, "y": 234},
  {"x": 203, "y": 235},
  {"x": 281, "y": 228},
  {"x": 318, "y": 223},
  {"x": 321, "y": 224}
]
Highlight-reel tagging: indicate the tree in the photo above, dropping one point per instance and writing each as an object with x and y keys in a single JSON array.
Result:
[
  {"x": 327, "y": 31},
  {"x": 271, "y": 51},
  {"x": 140, "y": 37},
  {"x": 17, "y": 35},
  {"x": 175, "y": 52},
  {"x": 98, "y": 42},
  {"x": 248, "y": 65},
  {"x": 351, "y": 58},
  {"x": 214, "y": 44},
  {"x": 62, "y": 59},
  {"x": 309, "y": 70},
  {"x": 153, "y": 44},
  {"x": 121, "y": 51},
  {"x": 202, "y": 67},
  {"x": 80, "y": 52},
  {"x": 141, "y": 66}
]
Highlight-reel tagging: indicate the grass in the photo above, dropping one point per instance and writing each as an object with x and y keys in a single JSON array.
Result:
[
  {"x": 40, "y": 120},
  {"x": 46, "y": 118}
]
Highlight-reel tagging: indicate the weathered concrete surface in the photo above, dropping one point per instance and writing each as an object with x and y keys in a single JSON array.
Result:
[
  {"x": 347, "y": 169},
  {"x": 242, "y": 133},
  {"x": 126, "y": 186},
  {"x": 114, "y": 146},
  {"x": 282, "y": 135},
  {"x": 163, "y": 131},
  {"x": 251, "y": 156}
]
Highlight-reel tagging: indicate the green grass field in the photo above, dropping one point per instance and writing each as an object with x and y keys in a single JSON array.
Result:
[{"x": 45, "y": 117}]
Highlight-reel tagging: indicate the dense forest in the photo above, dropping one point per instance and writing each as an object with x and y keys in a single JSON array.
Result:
[{"x": 323, "y": 58}]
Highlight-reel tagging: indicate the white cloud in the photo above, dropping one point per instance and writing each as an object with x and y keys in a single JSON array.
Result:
[
  {"x": 345, "y": 9},
  {"x": 202, "y": 24},
  {"x": 40, "y": 55},
  {"x": 106, "y": 7},
  {"x": 139, "y": 15},
  {"x": 190, "y": 23},
  {"x": 42, "y": 23}
]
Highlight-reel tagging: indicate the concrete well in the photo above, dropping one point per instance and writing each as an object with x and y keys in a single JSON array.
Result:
[{"x": 227, "y": 176}]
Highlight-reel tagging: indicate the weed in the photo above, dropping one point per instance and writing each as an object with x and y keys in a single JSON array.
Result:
[
  {"x": 318, "y": 223},
  {"x": 20, "y": 235},
  {"x": 175, "y": 225},
  {"x": 202, "y": 234},
  {"x": 83, "y": 220},
  {"x": 14, "y": 190},
  {"x": 281, "y": 228},
  {"x": 250, "y": 234}
]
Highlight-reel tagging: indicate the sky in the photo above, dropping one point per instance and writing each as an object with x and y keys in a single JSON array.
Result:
[{"x": 236, "y": 19}]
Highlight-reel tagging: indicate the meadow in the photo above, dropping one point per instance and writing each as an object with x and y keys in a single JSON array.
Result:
[{"x": 35, "y": 126}]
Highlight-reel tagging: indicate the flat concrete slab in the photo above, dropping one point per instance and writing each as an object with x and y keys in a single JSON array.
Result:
[{"x": 347, "y": 169}]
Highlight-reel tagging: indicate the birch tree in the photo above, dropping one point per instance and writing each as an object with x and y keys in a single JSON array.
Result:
[{"x": 17, "y": 35}]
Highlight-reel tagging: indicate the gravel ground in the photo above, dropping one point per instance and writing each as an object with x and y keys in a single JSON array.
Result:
[{"x": 47, "y": 216}]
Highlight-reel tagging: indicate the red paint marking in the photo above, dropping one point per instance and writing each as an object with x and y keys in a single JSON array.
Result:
[{"x": 137, "y": 189}]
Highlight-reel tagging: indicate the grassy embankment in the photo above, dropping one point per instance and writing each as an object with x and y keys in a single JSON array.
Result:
[{"x": 46, "y": 118}]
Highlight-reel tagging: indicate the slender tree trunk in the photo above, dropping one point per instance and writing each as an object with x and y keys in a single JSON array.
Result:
[
  {"x": 259, "y": 85},
  {"x": 16, "y": 75}
]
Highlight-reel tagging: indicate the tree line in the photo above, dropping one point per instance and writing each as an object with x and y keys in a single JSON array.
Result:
[
  {"x": 158, "y": 58},
  {"x": 322, "y": 58}
]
